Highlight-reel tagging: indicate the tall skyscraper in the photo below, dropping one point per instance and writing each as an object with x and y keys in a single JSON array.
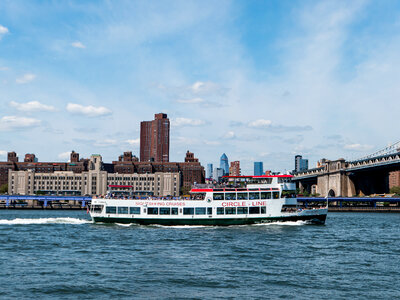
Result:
[
  {"x": 300, "y": 164},
  {"x": 154, "y": 139},
  {"x": 209, "y": 171},
  {"x": 258, "y": 168},
  {"x": 224, "y": 164}
]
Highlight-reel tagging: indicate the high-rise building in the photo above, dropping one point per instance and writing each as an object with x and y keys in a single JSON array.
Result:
[
  {"x": 300, "y": 164},
  {"x": 209, "y": 171},
  {"x": 234, "y": 170},
  {"x": 224, "y": 164},
  {"x": 154, "y": 139},
  {"x": 258, "y": 168},
  {"x": 218, "y": 173}
]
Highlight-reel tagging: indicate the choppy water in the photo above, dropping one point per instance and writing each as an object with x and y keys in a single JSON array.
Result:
[{"x": 62, "y": 255}]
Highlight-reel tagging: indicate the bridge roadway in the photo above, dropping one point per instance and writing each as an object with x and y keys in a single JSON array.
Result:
[
  {"x": 45, "y": 199},
  {"x": 373, "y": 162}
]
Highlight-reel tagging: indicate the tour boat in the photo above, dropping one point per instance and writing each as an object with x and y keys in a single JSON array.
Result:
[{"x": 249, "y": 200}]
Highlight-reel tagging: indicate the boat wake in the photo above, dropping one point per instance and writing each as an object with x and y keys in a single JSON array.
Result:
[
  {"x": 19, "y": 221},
  {"x": 126, "y": 225},
  {"x": 288, "y": 223}
]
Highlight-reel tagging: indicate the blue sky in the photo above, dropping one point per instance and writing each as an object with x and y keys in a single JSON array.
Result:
[{"x": 258, "y": 80}]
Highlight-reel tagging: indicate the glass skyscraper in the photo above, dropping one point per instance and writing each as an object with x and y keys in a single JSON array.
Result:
[
  {"x": 300, "y": 164},
  {"x": 209, "y": 171},
  {"x": 224, "y": 165},
  {"x": 258, "y": 168}
]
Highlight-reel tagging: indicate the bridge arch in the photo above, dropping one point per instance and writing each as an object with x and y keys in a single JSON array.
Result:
[{"x": 331, "y": 193}]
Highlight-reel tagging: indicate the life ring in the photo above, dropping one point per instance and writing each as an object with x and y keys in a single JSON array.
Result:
[{"x": 208, "y": 199}]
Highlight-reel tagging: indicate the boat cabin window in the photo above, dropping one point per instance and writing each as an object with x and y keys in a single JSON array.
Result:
[
  {"x": 218, "y": 196},
  {"x": 209, "y": 210},
  {"x": 152, "y": 210},
  {"x": 97, "y": 208},
  {"x": 200, "y": 210},
  {"x": 134, "y": 210},
  {"x": 198, "y": 196},
  {"x": 242, "y": 196},
  {"x": 174, "y": 211},
  {"x": 230, "y": 196},
  {"x": 284, "y": 179},
  {"x": 165, "y": 211},
  {"x": 230, "y": 210},
  {"x": 188, "y": 211},
  {"x": 266, "y": 195},
  {"x": 122, "y": 210},
  {"x": 254, "y": 195},
  {"x": 254, "y": 210},
  {"x": 275, "y": 195},
  {"x": 263, "y": 209},
  {"x": 289, "y": 208},
  {"x": 220, "y": 210},
  {"x": 242, "y": 210},
  {"x": 111, "y": 209}
]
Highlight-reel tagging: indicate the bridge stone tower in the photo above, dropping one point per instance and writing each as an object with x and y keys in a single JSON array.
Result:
[{"x": 335, "y": 181}]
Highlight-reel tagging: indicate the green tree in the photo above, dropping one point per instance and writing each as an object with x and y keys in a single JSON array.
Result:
[
  {"x": 4, "y": 188},
  {"x": 185, "y": 190},
  {"x": 395, "y": 190}
]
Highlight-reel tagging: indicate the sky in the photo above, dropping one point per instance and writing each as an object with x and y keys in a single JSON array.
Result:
[{"x": 257, "y": 80}]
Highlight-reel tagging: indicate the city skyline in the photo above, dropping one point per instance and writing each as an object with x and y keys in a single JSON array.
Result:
[{"x": 257, "y": 81}]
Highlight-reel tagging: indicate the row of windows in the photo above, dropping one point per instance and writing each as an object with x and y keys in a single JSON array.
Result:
[
  {"x": 242, "y": 210},
  {"x": 131, "y": 178},
  {"x": 246, "y": 196},
  {"x": 188, "y": 210},
  {"x": 123, "y": 210}
]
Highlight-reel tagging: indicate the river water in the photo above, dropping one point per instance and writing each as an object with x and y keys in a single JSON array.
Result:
[{"x": 62, "y": 255}]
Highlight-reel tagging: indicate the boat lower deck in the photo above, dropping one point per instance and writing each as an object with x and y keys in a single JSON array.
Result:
[{"x": 312, "y": 219}]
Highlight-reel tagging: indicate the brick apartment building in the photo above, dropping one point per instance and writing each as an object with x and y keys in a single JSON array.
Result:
[
  {"x": 234, "y": 169},
  {"x": 154, "y": 139}
]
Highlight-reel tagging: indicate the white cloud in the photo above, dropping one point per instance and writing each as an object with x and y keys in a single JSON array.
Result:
[
  {"x": 32, "y": 106},
  {"x": 191, "y": 101},
  {"x": 28, "y": 77},
  {"x": 65, "y": 155},
  {"x": 260, "y": 123},
  {"x": 3, "y": 31},
  {"x": 3, "y": 153},
  {"x": 187, "y": 122},
  {"x": 230, "y": 135},
  {"x": 207, "y": 88},
  {"x": 134, "y": 142},
  {"x": 78, "y": 44},
  {"x": 358, "y": 147},
  {"x": 10, "y": 123},
  {"x": 90, "y": 111},
  {"x": 4, "y": 68}
]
